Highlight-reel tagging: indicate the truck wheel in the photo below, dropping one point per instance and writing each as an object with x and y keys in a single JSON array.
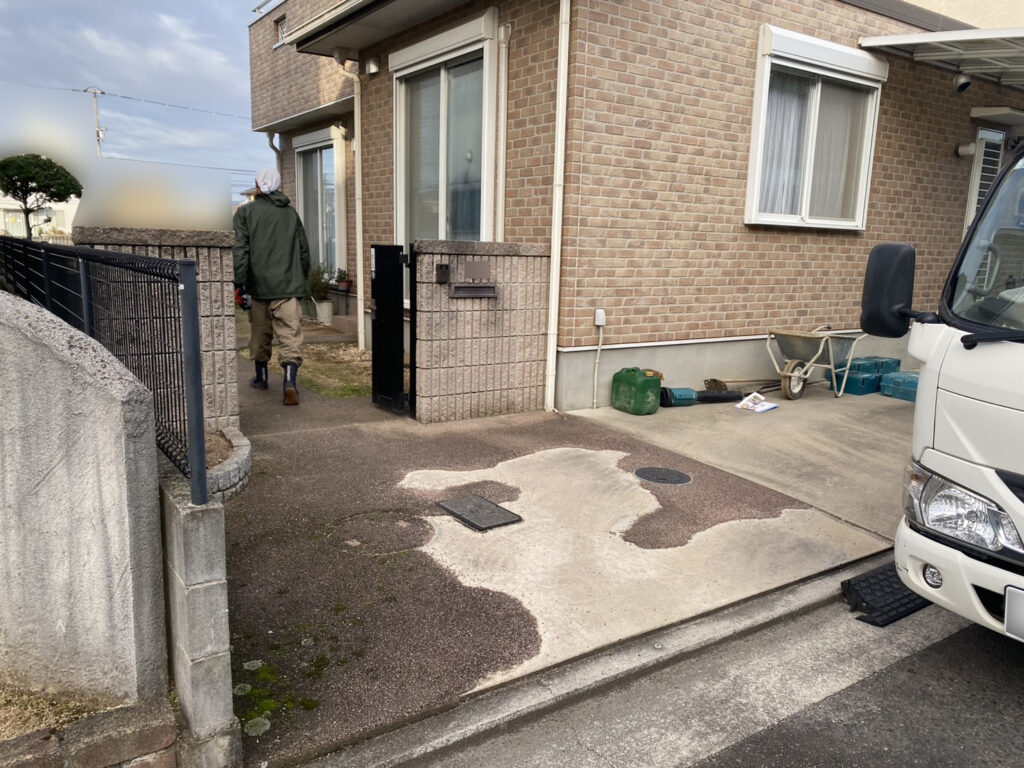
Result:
[{"x": 793, "y": 384}]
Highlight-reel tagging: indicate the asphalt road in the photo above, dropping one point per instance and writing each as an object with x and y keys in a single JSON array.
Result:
[{"x": 821, "y": 689}]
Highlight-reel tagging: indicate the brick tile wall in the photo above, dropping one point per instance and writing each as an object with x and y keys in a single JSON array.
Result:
[
  {"x": 283, "y": 81},
  {"x": 659, "y": 137},
  {"x": 661, "y": 100}
]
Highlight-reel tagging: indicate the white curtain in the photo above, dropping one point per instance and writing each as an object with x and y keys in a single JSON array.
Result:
[
  {"x": 784, "y": 132},
  {"x": 837, "y": 151}
]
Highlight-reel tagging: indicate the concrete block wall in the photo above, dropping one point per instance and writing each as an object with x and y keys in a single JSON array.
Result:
[
  {"x": 195, "y": 571},
  {"x": 214, "y": 263},
  {"x": 480, "y": 356},
  {"x": 82, "y": 609}
]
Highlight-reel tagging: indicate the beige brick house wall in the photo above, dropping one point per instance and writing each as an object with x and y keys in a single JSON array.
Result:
[
  {"x": 659, "y": 141},
  {"x": 660, "y": 107},
  {"x": 283, "y": 81}
]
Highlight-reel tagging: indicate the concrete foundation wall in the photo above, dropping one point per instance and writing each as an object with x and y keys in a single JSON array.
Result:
[
  {"x": 215, "y": 268},
  {"x": 480, "y": 356},
  {"x": 687, "y": 365},
  {"x": 81, "y": 594},
  {"x": 197, "y": 599}
]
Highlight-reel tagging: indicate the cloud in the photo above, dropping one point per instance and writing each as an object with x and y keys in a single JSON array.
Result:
[{"x": 185, "y": 52}]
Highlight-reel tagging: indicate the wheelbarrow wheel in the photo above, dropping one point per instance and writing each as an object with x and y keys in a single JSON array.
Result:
[{"x": 794, "y": 380}]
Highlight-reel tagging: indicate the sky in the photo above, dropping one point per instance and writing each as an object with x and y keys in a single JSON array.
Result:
[{"x": 189, "y": 53}]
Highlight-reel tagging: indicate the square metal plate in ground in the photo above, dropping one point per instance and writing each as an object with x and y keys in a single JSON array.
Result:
[{"x": 479, "y": 513}]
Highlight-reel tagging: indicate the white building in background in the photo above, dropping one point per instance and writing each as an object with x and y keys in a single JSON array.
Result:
[{"x": 55, "y": 220}]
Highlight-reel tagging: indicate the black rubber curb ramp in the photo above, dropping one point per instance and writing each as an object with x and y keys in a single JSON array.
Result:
[{"x": 881, "y": 596}]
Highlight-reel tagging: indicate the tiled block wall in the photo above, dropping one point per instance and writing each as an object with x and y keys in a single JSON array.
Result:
[
  {"x": 212, "y": 254},
  {"x": 480, "y": 356}
]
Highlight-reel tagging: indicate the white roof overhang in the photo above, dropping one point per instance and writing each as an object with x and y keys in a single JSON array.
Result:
[
  {"x": 352, "y": 25},
  {"x": 321, "y": 114},
  {"x": 994, "y": 54}
]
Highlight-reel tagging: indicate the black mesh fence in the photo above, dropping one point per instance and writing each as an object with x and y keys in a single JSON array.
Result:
[{"x": 145, "y": 311}]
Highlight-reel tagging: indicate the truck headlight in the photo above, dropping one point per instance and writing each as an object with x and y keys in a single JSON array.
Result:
[{"x": 952, "y": 510}]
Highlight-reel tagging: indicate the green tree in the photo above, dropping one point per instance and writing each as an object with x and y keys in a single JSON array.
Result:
[{"x": 35, "y": 181}]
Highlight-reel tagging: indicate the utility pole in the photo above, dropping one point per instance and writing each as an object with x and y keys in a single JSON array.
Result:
[{"x": 96, "y": 92}]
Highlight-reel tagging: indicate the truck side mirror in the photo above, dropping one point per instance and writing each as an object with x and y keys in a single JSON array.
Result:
[{"x": 888, "y": 290}]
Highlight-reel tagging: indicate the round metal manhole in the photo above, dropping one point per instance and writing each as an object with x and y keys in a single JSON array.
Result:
[{"x": 662, "y": 475}]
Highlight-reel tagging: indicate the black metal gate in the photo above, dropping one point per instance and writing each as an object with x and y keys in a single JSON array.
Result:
[{"x": 387, "y": 279}]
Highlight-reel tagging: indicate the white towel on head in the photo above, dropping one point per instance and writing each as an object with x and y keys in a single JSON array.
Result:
[{"x": 268, "y": 180}]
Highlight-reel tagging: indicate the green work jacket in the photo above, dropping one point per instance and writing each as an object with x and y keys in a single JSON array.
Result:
[{"x": 271, "y": 251}]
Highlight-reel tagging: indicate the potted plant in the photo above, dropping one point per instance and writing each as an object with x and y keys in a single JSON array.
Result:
[
  {"x": 319, "y": 284},
  {"x": 343, "y": 281}
]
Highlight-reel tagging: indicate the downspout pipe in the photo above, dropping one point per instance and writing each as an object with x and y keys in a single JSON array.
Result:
[
  {"x": 504, "y": 35},
  {"x": 557, "y": 200},
  {"x": 357, "y": 85}
]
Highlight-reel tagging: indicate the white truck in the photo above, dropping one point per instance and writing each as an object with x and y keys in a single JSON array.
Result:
[{"x": 959, "y": 543}]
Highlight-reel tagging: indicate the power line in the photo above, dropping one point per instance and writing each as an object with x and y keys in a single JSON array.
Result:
[{"x": 101, "y": 92}]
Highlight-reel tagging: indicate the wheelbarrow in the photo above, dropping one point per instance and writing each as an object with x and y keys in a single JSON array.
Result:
[{"x": 804, "y": 351}]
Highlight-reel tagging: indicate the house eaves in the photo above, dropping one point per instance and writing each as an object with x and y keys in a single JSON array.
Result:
[
  {"x": 992, "y": 54},
  {"x": 322, "y": 114},
  {"x": 353, "y": 25}
]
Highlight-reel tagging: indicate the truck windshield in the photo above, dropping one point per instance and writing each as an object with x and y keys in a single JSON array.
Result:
[{"x": 989, "y": 286}]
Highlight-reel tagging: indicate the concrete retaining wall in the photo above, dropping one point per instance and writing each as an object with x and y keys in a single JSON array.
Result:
[
  {"x": 81, "y": 594},
  {"x": 480, "y": 356}
]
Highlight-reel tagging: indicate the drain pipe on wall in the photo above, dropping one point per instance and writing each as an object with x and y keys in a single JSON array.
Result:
[
  {"x": 599, "y": 321},
  {"x": 504, "y": 34},
  {"x": 357, "y": 138},
  {"x": 557, "y": 198}
]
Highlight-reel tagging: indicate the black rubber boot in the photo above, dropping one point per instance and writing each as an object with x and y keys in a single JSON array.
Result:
[
  {"x": 261, "y": 381},
  {"x": 291, "y": 391}
]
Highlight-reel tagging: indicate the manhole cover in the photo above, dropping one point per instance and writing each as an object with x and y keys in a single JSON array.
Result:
[{"x": 662, "y": 475}]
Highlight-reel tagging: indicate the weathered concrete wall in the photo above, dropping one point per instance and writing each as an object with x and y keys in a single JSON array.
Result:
[
  {"x": 480, "y": 356},
  {"x": 197, "y": 596},
  {"x": 81, "y": 593},
  {"x": 215, "y": 275}
]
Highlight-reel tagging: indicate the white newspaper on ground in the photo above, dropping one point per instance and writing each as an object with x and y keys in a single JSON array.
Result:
[{"x": 755, "y": 402}]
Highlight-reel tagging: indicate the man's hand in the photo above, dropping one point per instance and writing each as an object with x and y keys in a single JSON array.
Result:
[{"x": 243, "y": 300}]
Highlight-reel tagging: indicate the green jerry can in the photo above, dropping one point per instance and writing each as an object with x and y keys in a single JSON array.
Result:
[{"x": 636, "y": 390}]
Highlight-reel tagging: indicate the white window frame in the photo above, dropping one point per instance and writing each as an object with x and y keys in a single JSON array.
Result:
[
  {"x": 477, "y": 34},
  {"x": 321, "y": 139},
  {"x": 804, "y": 54}
]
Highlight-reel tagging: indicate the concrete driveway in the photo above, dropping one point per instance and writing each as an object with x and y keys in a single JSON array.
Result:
[
  {"x": 358, "y": 605},
  {"x": 844, "y": 456}
]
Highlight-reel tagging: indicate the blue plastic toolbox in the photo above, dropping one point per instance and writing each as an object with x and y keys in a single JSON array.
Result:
[
  {"x": 901, "y": 384},
  {"x": 874, "y": 364},
  {"x": 858, "y": 383}
]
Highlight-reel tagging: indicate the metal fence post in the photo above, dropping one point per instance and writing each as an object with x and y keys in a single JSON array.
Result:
[
  {"x": 85, "y": 284},
  {"x": 193, "y": 380},
  {"x": 47, "y": 291}
]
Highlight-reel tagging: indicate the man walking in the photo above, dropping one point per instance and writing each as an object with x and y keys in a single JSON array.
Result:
[{"x": 272, "y": 264}]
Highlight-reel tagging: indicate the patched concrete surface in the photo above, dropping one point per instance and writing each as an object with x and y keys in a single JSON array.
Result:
[
  {"x": 362, "y": 594},
  {"x": 587, "y": 587},
  {"x": 842, "y": 455}
]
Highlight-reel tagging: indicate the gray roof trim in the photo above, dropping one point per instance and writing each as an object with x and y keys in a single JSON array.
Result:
[{"x": 929, "y": 21}]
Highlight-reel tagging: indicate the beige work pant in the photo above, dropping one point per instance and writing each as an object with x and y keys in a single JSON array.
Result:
[{"x": 281, "y": 318}]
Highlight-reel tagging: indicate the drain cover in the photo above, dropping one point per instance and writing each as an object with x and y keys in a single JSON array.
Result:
[
  {"x": 478, "y": 513},
  {"x": 881, "y": 596},
  {"x": 662, "y": 475}
]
